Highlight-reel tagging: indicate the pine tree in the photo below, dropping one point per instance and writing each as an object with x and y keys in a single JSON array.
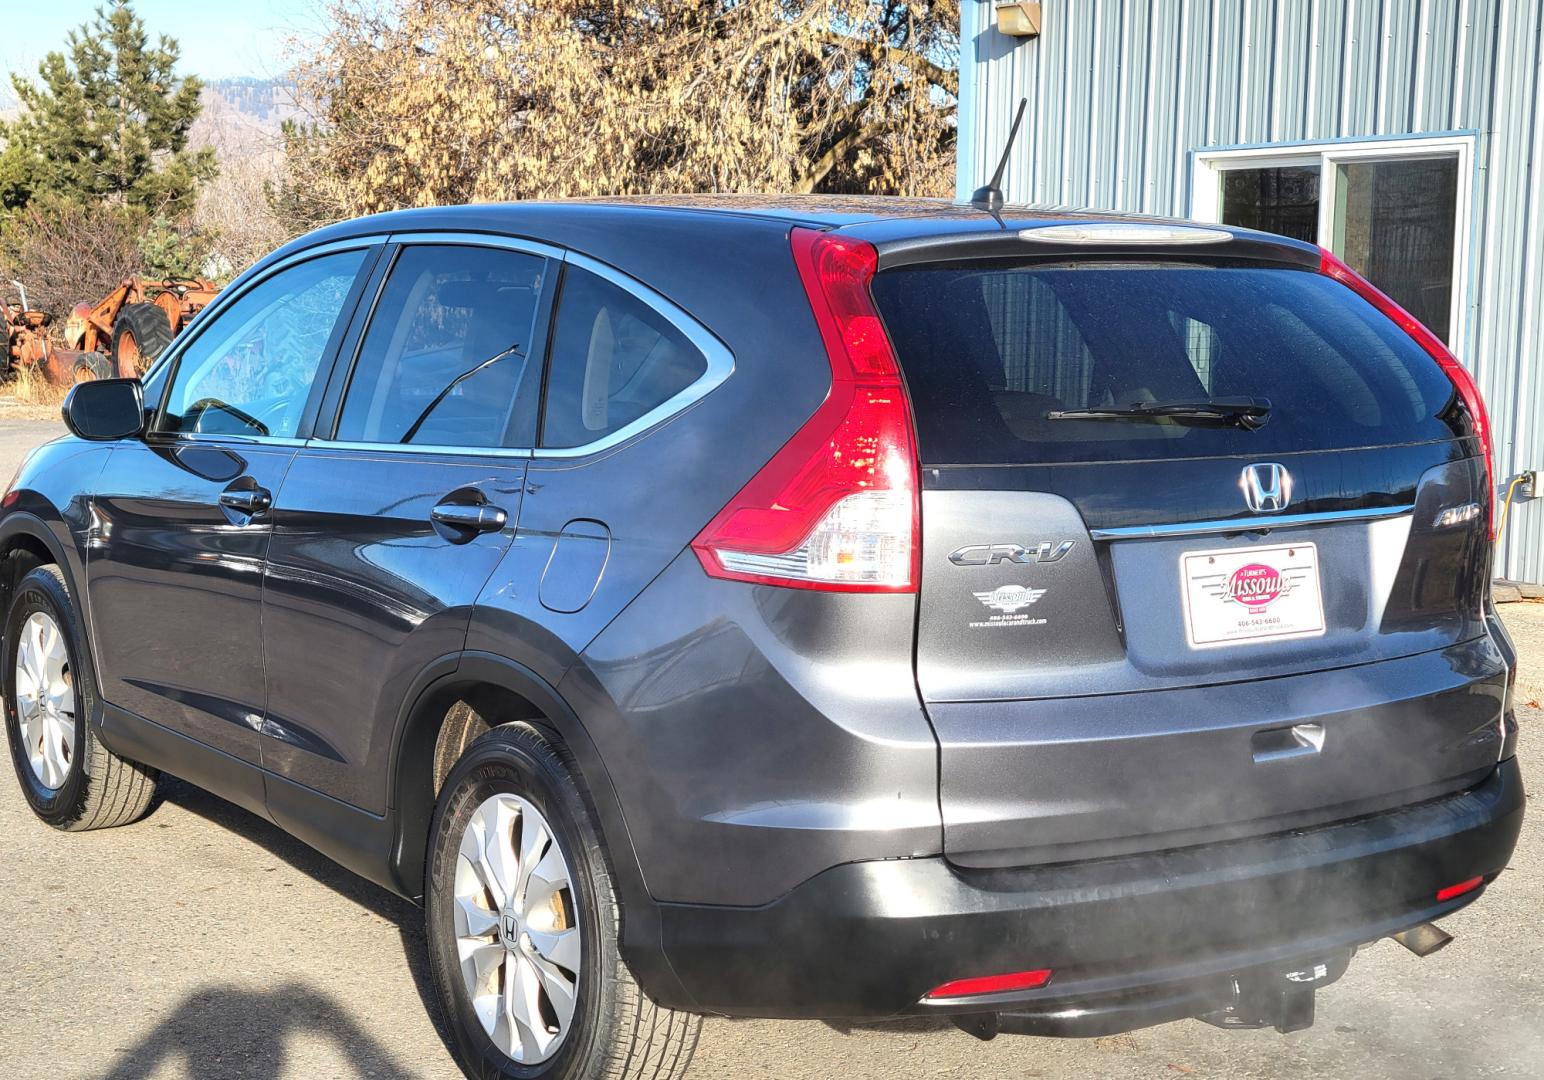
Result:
[{"x": 109, "y": 121}]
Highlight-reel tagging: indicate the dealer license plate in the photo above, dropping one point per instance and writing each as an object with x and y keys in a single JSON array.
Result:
[{"x": 1238, "y": 595}]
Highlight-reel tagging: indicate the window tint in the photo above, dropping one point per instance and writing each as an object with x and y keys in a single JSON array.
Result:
[
  {"x": 250, "y": 371},
  {"x": 443, "y": 359},
  {"x": 989, "y": 351},
  {"x": 614, "y": 358}
]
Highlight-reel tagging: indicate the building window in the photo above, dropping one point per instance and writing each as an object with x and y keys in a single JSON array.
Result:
[
  {"x": 1283, "y": 199},
  {"x": 1395, "y": 210}
]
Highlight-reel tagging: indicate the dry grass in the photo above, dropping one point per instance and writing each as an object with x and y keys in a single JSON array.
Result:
[{"x": 30, "y": 396}]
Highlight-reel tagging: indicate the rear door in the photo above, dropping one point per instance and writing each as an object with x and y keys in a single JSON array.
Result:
[
  {"x": 1134, "y": 627},
  {"x": 386, "y": 530}
]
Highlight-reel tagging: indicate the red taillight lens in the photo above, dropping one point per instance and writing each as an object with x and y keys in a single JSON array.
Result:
[
  {"x": 992, "y": 984},
  {"x": 836, "y": 507},
  {"x": 1458, "y": 890},
  {"x": 1463, "y": 382}
]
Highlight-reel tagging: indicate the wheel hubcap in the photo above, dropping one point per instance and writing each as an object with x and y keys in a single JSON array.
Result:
[
  {"x": 517, "y": 931},
  {"x": 45, "y": 699}
]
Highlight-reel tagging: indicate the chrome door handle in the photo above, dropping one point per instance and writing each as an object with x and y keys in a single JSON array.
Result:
[
  {"x": 251, "y": 501},
  {"x": 472, "y": 517}
]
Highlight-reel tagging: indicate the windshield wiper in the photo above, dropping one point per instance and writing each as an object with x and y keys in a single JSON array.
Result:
[
  {"x": 1247, "y": 412},
  {"x": 513, "y": 350}
]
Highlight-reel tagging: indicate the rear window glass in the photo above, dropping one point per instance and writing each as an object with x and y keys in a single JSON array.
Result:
[{"x": 989, "y": 350}]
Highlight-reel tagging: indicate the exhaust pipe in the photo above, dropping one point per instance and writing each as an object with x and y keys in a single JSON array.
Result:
[
  {"x": 983, "y": 1026},
  {"x": 1425, "y": 939}
]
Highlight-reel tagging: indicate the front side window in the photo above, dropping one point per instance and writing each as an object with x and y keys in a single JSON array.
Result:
[
  {"x": 614, "y": 359},
  {"x": 250, "y": 371},
  {"x": 445, "y": 354}
]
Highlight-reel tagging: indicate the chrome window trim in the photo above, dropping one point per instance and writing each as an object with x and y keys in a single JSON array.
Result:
[
  {"x": 168, "y": 438},
  {"x": 720, "y": 362},
  {"x": 1238, "y": 525},
  {"x": 471, "y": 239},
  {"x": 519, "y": 453}
]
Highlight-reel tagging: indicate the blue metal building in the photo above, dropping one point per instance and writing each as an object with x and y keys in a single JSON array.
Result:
[{"x": 1405, "y": 135}]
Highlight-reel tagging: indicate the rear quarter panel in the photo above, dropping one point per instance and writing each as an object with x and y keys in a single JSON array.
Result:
[{"x": 740, "y": 757}]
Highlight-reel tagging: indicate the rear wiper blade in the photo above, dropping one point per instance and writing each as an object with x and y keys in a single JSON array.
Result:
[{"x": 1246, "y": 412}]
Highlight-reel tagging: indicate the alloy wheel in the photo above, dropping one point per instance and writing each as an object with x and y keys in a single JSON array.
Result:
[
  {"x": 45, "y": 699},
  {"x": 517, "y": 931}
]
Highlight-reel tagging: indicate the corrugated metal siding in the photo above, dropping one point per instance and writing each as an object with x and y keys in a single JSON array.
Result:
[{"x": 1121, "y": 91}]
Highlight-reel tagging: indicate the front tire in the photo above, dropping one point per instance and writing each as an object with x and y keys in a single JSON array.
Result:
[
  {"x": 523, "y": 924},
  {"x": 68, "y": 777}
]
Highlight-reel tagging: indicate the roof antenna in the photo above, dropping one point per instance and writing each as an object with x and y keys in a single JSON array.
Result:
[{"x": 990, "y": 198}]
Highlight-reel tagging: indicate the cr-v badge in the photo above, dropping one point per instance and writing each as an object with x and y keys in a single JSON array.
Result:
[
  {"x": 1267, "y": 487},
  {"x": 1047, "y": 551}
]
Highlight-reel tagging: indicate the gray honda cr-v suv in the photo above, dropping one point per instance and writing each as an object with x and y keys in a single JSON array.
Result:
[{"x": 795, "y": 608}]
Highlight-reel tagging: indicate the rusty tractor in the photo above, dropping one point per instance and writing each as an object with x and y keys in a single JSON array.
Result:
[{"x": 121, "y": 335}]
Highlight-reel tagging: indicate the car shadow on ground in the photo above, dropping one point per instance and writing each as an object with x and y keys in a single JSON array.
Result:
[
  {"x": 407, "y": 917},
  {"x": 229, "y": 1032}
]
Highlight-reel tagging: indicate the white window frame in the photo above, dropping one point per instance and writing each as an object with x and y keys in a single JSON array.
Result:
[{"x": 1208, "y": 165}]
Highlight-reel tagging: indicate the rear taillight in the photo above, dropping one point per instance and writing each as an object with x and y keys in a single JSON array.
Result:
[
  {"x": 1463, "y": 382},
  {"x": 836, "y": 507}
]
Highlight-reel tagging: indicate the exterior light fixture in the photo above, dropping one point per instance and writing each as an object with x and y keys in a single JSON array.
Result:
[{"x": 1019, "y": 19}]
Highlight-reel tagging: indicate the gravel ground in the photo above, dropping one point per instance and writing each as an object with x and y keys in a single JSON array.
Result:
[{"x": 204, "y": 943}]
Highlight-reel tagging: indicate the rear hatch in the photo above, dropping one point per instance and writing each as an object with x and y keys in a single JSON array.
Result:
[{"x": 1140, "y": 629}]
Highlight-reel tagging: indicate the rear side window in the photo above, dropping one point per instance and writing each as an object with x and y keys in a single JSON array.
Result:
[
  {"x": 445, "y": 353},
  {"x": 613, "y": 360},
  {"x": 990, "y": 350}
]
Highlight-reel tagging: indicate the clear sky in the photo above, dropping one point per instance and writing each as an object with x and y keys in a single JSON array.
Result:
[{"x": 219, "y": 38}]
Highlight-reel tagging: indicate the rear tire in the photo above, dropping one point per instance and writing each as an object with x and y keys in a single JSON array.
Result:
[
  {"x": 141, "y": 332},
  {"x": 68, "y": 777},
  {"x": 507, "y": 781}
]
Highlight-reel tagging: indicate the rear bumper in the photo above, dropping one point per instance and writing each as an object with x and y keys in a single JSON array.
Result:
[{"x": 869, "y": 940}]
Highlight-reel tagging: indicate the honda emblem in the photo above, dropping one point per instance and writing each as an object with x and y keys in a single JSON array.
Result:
[{"x": 1267, "y": 487}]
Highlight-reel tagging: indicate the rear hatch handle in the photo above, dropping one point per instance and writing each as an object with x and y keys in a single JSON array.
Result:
[{"x": 1278, "y": 744}]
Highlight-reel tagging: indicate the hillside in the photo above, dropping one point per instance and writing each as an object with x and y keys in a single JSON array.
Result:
[{"x": 243, "y": 115}]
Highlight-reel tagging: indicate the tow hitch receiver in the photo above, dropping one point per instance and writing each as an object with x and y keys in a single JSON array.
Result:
[{"x": 1282, "y": 999}]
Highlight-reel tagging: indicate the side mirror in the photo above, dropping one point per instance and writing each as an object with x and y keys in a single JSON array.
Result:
[{"x": 104, "y": 409}]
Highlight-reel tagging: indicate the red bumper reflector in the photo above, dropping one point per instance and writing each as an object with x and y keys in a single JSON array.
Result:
[
  {"x": 1459, "y": 889},
  {"x": 993, "y": 984}
]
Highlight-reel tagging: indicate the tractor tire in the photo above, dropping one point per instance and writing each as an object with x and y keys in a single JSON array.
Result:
[
  {"x": 91, "y": 366},
  {"x": 141, "y": 333}
]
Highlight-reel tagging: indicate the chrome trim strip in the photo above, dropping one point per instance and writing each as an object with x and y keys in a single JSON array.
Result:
[
  {"x": 418, "y": 448},
  {"x": 473, "y": 239},
  {"x": 1239, "y": 525},
  {"x": 171, "y": 438},
  {"x": 720, "y": 362}
]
